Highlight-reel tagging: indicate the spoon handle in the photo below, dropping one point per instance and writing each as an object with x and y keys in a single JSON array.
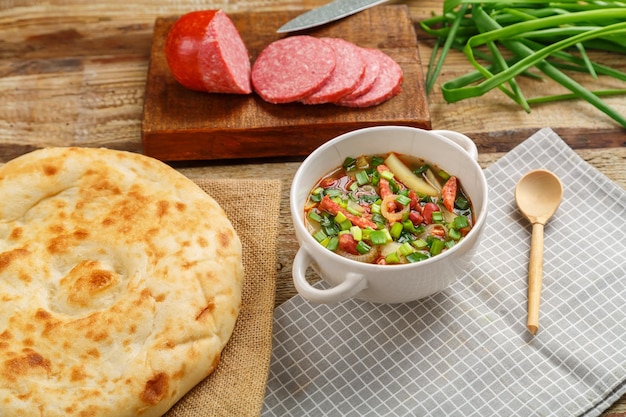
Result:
[{"x": 535, "y": 272}]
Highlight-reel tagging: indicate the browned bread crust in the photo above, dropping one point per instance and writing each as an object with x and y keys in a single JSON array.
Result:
[{"x": 120, "y": 284}]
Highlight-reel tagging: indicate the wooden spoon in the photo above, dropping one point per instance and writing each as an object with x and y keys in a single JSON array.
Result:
[{"x": 538, "y": 195}]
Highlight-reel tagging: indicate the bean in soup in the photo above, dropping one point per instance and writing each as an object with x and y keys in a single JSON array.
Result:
[{"x": 388, "y": 209}]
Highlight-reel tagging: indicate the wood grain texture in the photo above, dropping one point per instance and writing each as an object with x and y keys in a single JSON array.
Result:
[
  {"x": 180, "y": 124},
  {"x": 74, "y": 72}
]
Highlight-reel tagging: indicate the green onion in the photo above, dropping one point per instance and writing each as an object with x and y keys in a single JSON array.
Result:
[
  {"x": 357, "y": 233},
  {"x": 349, "y": 163},
  {"x": 437, "y": 217},
  {"x": 378, "y": 237},
  {"x": 443, "y": 174},
  {"x": 404, "y": 200},
  {"x": 340, "y": 217},
  {"x": 368, "y": 198},
  {"x": 461, "y": 203},
  {"x": 416, "y": 257},
  {"x": 420, "y": 244},
  {"x": 361, "y": 162},
  {"x": 320, "y": 235},
  {"x": 419, "y": 171},
  {"x": 394, "y": 186},
  {"x": 406, "y": 248},
  {"x": 388, "y": 175},
  {"x": 378, "y": 218},
  {"x": 409, "y": 226},
  {"x": 454, "y": 234},
  {"x": 392, "y": 258},
  {"x": 345, "y": 225},
  {"x": 375, "y": 178},
  {"x": 362, "y": 178},
  {"x": 436, "y": 246},
  {"x": 333, "y": 243},
  {"x": 376, "y": 161},
  {"x": 333, "y": 192},
  {"x": 331, "y": 230},
  {"x": 363, "y": 247},
  {"x": 314, "y": 216},
  {"x": 395, "y": 231},
  {"x": 531, "y": 34},
  {"x": 316, "y": 198},
  {"x": 460, "y": 222}
]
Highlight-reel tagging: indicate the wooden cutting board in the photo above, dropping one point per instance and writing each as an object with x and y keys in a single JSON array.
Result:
[{"x": 180, "y": 124}]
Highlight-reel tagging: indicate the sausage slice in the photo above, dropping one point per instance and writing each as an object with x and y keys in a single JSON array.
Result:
[
  {"x": 292, "y": 68},
  {"x": 372, "y": 69},
  {"x": 348, "y": 73},
  {"x": 387, "y": 84}
]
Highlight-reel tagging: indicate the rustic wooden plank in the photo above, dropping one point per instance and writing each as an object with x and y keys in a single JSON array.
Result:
[
  {"x": 179, "y": 124},
  {"x": 49, "y": 94}
]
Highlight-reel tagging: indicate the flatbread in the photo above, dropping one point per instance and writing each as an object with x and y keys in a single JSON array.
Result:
[{"x": 120, "y": 284}]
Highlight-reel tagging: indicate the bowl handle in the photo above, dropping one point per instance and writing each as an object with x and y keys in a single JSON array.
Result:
[
  {"x": 460, "y": 139},
  {"x": 352, "y": 285}
]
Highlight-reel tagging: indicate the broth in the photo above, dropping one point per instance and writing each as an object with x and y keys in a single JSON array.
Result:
[{"x": 388, "y": 209}]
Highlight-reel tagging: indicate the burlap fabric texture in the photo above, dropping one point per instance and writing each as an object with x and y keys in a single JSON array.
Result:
[{"x": 237, "y": 387}]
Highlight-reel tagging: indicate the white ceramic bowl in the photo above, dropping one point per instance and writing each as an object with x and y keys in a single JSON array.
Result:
[{"x": 451, "y": 151}]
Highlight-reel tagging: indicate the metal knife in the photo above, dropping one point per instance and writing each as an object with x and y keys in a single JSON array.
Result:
[{"x": 330, "y": 12}]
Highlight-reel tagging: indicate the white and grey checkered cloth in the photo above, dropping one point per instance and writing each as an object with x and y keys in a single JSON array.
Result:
[{"x": 466, "y": 351}]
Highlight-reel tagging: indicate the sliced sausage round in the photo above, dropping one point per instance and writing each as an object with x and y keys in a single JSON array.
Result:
[
  {"x": 292, "y": 68},
  {"x": 372, "y": 69},
  {"x": 387, "y": 84},
  {"x": 349, "y": 71}
]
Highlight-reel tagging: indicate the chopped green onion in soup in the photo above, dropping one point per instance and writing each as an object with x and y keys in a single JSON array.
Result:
[{"x": 388, "y": 209}]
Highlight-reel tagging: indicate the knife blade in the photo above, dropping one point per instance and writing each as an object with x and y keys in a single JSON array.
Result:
[{"x": 327, "y": 13}]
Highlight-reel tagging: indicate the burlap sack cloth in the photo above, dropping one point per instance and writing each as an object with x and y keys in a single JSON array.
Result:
[{"x": 237, "y": 387}]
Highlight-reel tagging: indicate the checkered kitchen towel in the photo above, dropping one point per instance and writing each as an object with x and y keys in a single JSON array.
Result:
[{"x": 466, "y": 351}]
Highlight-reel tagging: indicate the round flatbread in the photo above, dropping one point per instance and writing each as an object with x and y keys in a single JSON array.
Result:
[{"x": 120, "y": 284}]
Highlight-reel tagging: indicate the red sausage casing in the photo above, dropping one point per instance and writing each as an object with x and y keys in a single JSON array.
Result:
[{"x": 205, "y": 52}]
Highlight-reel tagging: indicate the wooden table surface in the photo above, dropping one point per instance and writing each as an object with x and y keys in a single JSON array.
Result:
[{"x": 73, "y": 73}]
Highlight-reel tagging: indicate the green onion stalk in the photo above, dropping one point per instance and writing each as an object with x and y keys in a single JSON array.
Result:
[{"x": 516, "y": 38}]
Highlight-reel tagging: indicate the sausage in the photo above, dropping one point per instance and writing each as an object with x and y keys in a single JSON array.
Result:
[
  {"x": 372, "y": 69},
  {"x": 347, "y": 74},
  {"x": 205, "y": 52},
  {"x": 387, "y": 85},
  {"x": 292, "y": 68}
]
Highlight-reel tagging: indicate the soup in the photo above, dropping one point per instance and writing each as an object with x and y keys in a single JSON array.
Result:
[{"x": 388, "y": 209}]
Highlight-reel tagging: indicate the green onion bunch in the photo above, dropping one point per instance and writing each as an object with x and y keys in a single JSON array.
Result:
[{"x": 530, "y": 38}]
